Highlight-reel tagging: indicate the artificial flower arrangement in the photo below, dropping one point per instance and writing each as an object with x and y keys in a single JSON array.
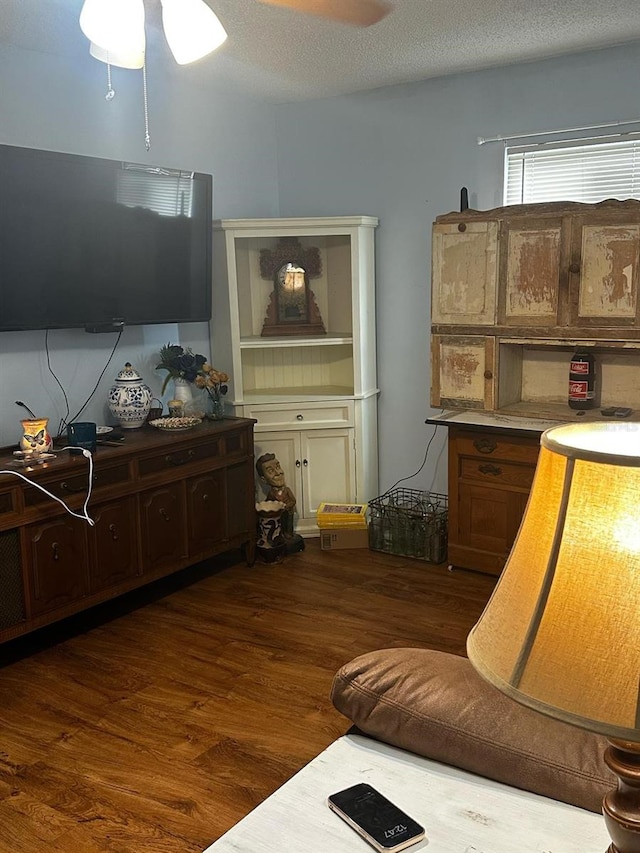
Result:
[{"x": 183, "y": 363}]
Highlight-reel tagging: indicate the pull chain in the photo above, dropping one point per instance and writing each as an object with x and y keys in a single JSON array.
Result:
[
  {"x": 111, "y": 92},
  {"x": 147, "y": 138}
]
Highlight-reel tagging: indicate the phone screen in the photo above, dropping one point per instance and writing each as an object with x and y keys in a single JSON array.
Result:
[{"x": 377, "y": 819}]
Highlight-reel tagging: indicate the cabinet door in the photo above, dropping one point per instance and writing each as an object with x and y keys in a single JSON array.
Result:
[
  {"x": 207, "y": 512},
  {"x": 163, "y": 526},
  {"x": 58, "y": 565},
  {"x": 464, "y": 273},
  {"x": 328, "y": 468},
  {"x": 113, "y": 545},
  {"x": 488, "y": 521},
  {"x": 534, "y": 264},
  {"x": 605, "y": 261},
  {"x": 462, "y": 372}
]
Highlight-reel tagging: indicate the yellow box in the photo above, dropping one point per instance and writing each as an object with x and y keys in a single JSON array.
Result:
[{"x": 341, "y": 515}]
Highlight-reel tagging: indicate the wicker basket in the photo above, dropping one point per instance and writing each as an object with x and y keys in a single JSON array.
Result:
[{"x": 410, "y": 523}]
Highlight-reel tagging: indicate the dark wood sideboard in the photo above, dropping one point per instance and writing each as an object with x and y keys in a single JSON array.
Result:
[{"x": 161, "y": 502}]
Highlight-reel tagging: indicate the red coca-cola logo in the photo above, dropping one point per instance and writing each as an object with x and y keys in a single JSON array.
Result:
[
  {"x": 579, "y": 366},
  {"x": 578, "y": 390}
]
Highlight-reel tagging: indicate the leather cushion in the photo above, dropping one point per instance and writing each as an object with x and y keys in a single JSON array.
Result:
[{"x": 436, "y": 705}]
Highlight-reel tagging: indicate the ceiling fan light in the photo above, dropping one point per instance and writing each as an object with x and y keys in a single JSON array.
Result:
[
  {"x": 116, "y": 26},
  {"x": 192, "y": 29},
  {"x": 132, "y": 59}
]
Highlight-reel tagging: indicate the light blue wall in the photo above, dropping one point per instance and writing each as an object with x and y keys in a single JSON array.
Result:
[
  {"x": 57, "y": 104},
  {"x": 402, "y": 153}
]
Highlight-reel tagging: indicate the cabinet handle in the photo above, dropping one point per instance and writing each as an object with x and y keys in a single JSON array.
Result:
[
  {"x": 114, "y": 532},
  {"x": 462, "y": 226},
  {"x": 65, "y": 487},
  {"x": 574, "y": 268},
  {"x": 179, "y": 460},
  {"x": 490, "y": 469},
  {"x": 297, "y": 463},
  {"x": 305, "y": 463},
  {"x": 488, "y": 374},
  {"x": 165, "y": 514},
  {"x": 299, "y": 417},
  {"x": 484, "y": 445},
  {"x": 205, "y": 498},
  {"x": 55, "y": 551}
]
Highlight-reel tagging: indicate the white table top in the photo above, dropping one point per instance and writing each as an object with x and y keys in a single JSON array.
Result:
[{"x": 461, "y": 813}]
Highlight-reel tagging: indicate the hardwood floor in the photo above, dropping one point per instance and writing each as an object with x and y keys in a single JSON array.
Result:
[{"x": 156, "y": 722}]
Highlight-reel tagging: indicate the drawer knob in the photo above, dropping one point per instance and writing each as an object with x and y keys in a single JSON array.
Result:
[
  {"x": 488, "y": 374},
  {"x": 484, "y": 445},
  {"x": 299, "y": 417},
  {"x": 170, "y": 459},
  {"x": 490, "y": 469}
]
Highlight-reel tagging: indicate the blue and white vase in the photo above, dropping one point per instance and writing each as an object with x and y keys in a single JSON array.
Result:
[{"x": 129, "y": 399}]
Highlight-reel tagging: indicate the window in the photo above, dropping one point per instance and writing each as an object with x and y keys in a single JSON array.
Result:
[
  {"x": 587, "y": 172},
  {"x": 168, "y": 192}
]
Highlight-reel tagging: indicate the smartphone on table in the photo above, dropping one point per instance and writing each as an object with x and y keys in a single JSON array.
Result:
[{"x": 386, "y": 827}]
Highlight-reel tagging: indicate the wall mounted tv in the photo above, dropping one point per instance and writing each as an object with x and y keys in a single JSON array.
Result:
[{"x": 98, "y": 244}]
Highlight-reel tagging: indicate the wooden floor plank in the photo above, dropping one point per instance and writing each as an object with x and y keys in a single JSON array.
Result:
[{"x": 154, "y": 723}]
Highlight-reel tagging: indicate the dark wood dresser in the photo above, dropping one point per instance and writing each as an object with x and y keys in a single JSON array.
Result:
[{"x": 161, "y": 502}]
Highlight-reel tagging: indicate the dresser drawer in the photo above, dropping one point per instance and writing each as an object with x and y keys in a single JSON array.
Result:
[
  {"x": 491, "y": 446},
  {"x": 497, "y": 472},
  {"x": 77, "y": 484},
  {"x": 171, "y": 458},
  {"x": 302, "y": 416}
]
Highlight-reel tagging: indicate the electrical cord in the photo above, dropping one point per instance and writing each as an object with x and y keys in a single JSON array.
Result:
[
  {"x": 415, "y": 473},
  {"x": 84, "y": 515},
  {"x": 65, "y": 420}
]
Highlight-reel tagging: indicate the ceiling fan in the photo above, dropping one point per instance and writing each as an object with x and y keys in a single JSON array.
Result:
[
  {"x": 361, "y": 13},
  {"x": 116, "y": 28}
]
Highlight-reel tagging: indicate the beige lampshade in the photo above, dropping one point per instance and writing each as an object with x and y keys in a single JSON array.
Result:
[{"x": 561, "y": 632}]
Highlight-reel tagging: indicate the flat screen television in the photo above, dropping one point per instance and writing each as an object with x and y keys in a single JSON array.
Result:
[{"x": 98, "y": 244}]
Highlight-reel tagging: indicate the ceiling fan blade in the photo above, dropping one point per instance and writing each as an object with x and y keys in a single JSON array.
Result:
[{"x": 360, "y": 13}]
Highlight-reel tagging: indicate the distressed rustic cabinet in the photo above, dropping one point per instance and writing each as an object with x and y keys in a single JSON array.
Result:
[
  {"x": 514, "y": 291},
  {"x": 516, "y": 288},
  {"x": 311, "y": 388}
]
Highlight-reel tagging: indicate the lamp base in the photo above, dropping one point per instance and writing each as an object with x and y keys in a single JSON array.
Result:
[{"x": 621, "y": 807}]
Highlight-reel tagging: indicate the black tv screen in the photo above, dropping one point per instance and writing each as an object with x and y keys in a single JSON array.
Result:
[{"x": 97, "y": 244}]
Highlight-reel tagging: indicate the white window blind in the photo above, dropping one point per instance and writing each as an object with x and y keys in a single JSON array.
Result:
[
  {"x": 168, "y": 192},
  {"x": 587, "y": 172}
]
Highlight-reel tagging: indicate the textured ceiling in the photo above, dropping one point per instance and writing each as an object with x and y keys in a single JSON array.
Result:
[{"x": 279, "y": 55}]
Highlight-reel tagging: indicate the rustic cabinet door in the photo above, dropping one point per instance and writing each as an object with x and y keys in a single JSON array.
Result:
[
  {"x": 463, "y": 370},
  {"x": 605, "y": 262},
  {"x": 534, "y": 268},
  {"x": 465, "y": 273}
]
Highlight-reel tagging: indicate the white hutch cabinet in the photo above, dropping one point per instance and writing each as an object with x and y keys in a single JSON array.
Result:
[{"x": 294, "y": 325}]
